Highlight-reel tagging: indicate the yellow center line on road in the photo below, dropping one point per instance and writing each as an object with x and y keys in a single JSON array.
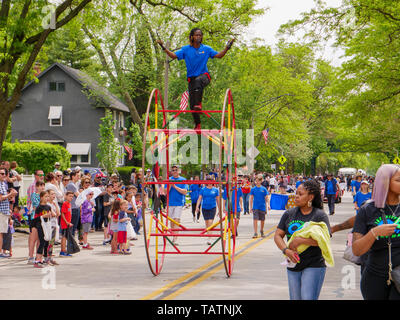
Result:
[{"x": 201, "y": 269}]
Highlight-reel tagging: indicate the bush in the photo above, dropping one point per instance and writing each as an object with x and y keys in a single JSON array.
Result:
[{"x": 36, "y": 155}]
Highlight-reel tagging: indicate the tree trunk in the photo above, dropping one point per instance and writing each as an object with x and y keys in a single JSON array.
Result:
[
  {"x": 134, "y": 113},
  {"x": 4, "y": 117}
]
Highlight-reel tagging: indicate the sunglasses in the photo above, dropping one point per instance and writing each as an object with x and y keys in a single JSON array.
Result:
[{"x": 40, "y": 175}]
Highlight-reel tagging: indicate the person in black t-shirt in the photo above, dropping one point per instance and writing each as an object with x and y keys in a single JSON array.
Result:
[
  {"x": 374, "y": 227},
  {"x": 306, "y": 277}
]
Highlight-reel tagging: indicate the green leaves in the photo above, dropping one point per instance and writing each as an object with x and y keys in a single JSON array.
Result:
[
  {"x": 36, "y": 155},
  {"x": 109, "y": 146}
]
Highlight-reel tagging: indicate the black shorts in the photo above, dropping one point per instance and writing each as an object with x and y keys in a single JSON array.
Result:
[
  {"x": 209, "y": 214},
  {"x": 63, "y": 233}
]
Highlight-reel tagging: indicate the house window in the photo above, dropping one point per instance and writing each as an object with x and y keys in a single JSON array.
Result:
[
  {"x": 55, "y": 116},
  {"x": 80, "y": 153},
  {"x": 57, "y": 86},
  {"x": 121, "y": 122}
]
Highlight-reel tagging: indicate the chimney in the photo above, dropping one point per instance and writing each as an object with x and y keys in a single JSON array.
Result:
[{"x": 37, "y": 68}]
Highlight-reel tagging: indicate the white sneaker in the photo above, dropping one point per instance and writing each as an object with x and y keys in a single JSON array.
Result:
[{"x": 31, "y": 261}]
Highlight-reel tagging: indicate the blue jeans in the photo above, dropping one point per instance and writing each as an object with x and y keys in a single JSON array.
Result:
[
  {"x": 246, "y": 199},
  {"x": 306, "y": 284}
]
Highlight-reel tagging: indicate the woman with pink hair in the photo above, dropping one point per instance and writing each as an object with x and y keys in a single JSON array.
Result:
[{"x": 374, "y": 230}]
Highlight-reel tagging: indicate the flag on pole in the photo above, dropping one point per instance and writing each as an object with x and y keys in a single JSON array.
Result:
[
  {"x": 130, "y": 152},
  {"x": 184, "y": 101},
  {"x": 265, "y": 134}
]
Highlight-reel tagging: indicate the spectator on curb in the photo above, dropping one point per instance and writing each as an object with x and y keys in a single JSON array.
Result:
[
  {"x": 16, "y": 179},
  {"x": 72, "y": 186},
  {"x": 5, "y": 213}
]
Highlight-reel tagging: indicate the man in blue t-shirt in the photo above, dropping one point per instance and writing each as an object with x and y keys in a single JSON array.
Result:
[
  {"x": 356, "y": 185},
  {"x": 196, "y": 56},
  {"x": 235, "y": 194},
  {"x": 331, "y": 186},
  {"x": 258, "y": 205},
  {"x": 176, "y": 198}
]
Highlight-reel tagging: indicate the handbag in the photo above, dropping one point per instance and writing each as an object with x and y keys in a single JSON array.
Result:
[
  {"x": 394, "y": 274},
  {"x": 130, "y": 232},
  {"x": 46, "y": 226},
  {"x": 348, "y": 252},
  {"x": 72, "y": 246}
]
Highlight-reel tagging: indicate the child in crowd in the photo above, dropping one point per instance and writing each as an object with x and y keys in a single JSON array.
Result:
[
  {"x": 131, "y": 211},
  {"x": 33, "y": 236},
  {"x": 138, "y": 218},
  {"x": 54, "y": 224},
  {"x": 43, "y": 210},
  {"x": 17, "y": 215},
  {"x": 123, "y": 220},
  {"x": 114, "y": 216},
  {"x": 108, "y": 199},
  {"x": 87, "y": 209},
  {"x": 66, "y": 216}
]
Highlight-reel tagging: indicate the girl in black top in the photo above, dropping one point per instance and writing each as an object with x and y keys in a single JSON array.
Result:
[
  {"x": 306, "y": 277},
  {"x": 42, "y": 210},
  {"x": 371, "y": 234}
]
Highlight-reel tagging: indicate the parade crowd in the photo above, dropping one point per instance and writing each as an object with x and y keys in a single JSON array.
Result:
[{"x": 65, "y": 207}]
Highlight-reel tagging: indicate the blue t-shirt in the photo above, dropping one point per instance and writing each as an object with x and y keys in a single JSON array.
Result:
[
  {"x": 209, "y": 197},
  {"x": 122, "y": 225},
  {"x": 194, "y": 192},
  {"x": 355, "y": 184},
  {"x": 330, "y": 187},
  {"x": 177, "y": 199},
  {"x": 234, "y": 193},
  {"x": 196, "y": 59},
  {"x": 360, "y": 198},
  {"x": 259, "y": 194}
]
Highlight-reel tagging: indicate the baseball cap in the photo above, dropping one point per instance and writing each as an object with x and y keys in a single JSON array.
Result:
[
  {"x": 57, "y": 164},
  {"x": 365, "y": 181},
  {"x": 77, "y": 168}
]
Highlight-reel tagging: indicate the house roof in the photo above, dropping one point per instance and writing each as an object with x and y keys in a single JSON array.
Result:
[
  {"x": 86, "y": 81},
  {"x": 43, "y": 135}
]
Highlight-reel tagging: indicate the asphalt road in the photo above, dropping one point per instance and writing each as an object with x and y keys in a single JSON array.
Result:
[{"x": 258, "y": 273}]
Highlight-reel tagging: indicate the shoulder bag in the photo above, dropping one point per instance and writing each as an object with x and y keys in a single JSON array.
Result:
[
  {"x": 394, "y": 274},
  {"x": 348, "y": 252}
]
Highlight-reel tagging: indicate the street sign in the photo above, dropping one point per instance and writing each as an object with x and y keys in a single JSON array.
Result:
[
  {"x": 396, "y": 160},
  {"x": 282, "y": 159},
  {"x": 273, "y": 166},
  {"x": 282, "y": 168}
]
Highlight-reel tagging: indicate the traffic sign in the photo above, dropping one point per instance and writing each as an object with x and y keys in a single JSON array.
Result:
[
  {"x": 282, "y": 159},
  {"x": 396, "y": 160},
  {"x": 282, "y": 168}
]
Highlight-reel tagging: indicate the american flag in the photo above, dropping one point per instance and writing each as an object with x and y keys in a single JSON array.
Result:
[
  {"x": 265, "y": 134},
  {"x": 184, "y": 101},
  {"x": 130, "y": 152}
]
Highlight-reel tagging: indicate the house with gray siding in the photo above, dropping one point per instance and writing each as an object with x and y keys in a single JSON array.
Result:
[{"x": 65, "y": 107}]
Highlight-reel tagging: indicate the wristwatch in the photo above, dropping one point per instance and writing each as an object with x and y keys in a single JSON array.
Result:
[{"x": 284, "y": 250}]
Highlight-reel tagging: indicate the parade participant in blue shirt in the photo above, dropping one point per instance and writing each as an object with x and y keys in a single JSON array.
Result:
[
  {"x": 258, "y": 205},
  {"x": 362, "y": 195},
  {"x": 196, "y": 56},
  {"x": 236, "y": 193},
  {"x": 209, "y": 199},
  {"x": 355, "y": 185},
  {"x": 194, "y": 190},
  {"x": 176, "y": 198}
]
